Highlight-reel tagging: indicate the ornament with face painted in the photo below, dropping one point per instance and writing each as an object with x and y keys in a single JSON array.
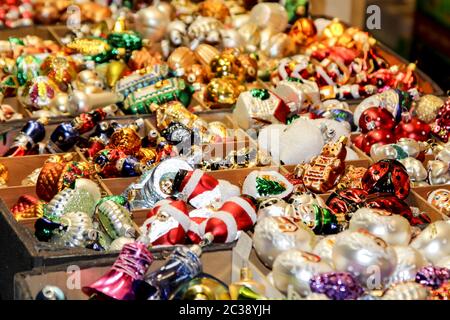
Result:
[
  {"x": 360, "y": 253},
  {"x": 273, "y": 235},
  {"x": 440, "y": 198}
]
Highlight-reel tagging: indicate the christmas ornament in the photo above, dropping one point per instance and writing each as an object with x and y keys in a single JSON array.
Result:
[
  {"x": 27, "y": 207},
  {"x": 167, "y": 223},
  {"x": 409, "y": 261},
  {"x": 416, "y": 171},
  {"x": 403, "y": 148},
  {"x": 387, "y": 176},
  {"x": 324, "y": 171},
  {"x": 236, "y": 214},
  {"x": 246, "y": 288},
  {"x": 444, "y": 262},
  {"x": 376, "y": 118},
  {"x": 78, "y": 230},
  {"x": 50, "y": 293},
  {"x": 438, "y": 172},
  {"x": 324, "y": 249},
  {"x": 183, "y": 265},
  {"x": 141, "y": 78},
  {"x": 406, "y": 291},
  {"x": 303, "y": 32},
  {"x": 433, "y": 242},
  {"x": 352, "y": 177},
  {"x": 440, "y": 127},
  {"x": 440, "y": 198},
  {"x": 392, "y": 228},
  {"x": 138, "y": 102},
  {"x": 346, "y": 201},
  {"x": 115, "y": 220},
  {"x": 260, "y": 184},
  {"x": 222, "y": 92},
  {"x": 273, "y": 207},
  {"x": 38, "y": 93},
  {"x": 381, "y": 136},
  {"x": 259, "y": 106},
  {"x": 61, "y": 69},
  {"x": 413, "y": 129},
  {"x": 358, "y": 251},
  {"x": 83, "y": 197},
  {"x": 336, "y": 286},
  {"x": 295, "y": 267},
  {"x": 433, "y": 277},
  {"x": 271, "y": 15},
  {"x": 442, "y": 293},
  {"x": 427, "y": 107},
  {"x": 274, "y": 235},
  {"x": 202, "y": 287},
  {"x": 29, "y": 136},
  {"x": 197, "y": 188},
  {"x": 131, "y": 265}
]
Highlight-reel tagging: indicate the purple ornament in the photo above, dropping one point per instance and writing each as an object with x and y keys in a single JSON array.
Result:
[
  {"x": 336, "y": 285},
  {"x": 432, "y": 276}
]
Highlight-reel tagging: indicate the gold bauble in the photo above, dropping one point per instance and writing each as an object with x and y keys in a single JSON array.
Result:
[
  {"x": 173, "y": 111},
  {"x": 205, "y": 53},
  {"x": 223, "y": 92},
  {"x": 303, "y": 32},
  {"x": 114, "y": 72},
  {"x": 181, "y": 58},
  {"x": 428, "y": 107},
  {"x": 126, "y": 140}
]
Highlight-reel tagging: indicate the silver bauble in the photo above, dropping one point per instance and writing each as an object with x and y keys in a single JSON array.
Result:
[
  {"x": 296, "y": 268},
  {"x": 392, "y": 228},
  {"x": 151, "y": 23},
  {"x": 406, "y": 291},
  {"x": 79, "y": 232},
  {"x": 409, "y": 261},
  {"x": 415, "y": 169},
  {"x": 434, "y": 241},
  {"x": 273, "y": 207},
  {"x": 324, "y": 249},
  {"x": 61, "y": 102},
  {"x": 274, "y": 235},
  {"x": 365, "y": 256}
]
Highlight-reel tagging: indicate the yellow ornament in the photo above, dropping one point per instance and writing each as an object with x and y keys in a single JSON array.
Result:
[
  {"x": 223, "y": 92},
  {"x": 428, "y": 107},
  {"x": 89, "y": 47},
  {"x": 114, "y": 72},
  {"x": 3, "y": 175}
]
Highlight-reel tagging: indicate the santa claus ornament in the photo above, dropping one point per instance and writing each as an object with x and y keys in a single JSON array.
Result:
[
  {"x": 197, "y": 187},
  {"x": 441, "y": 127},
  {"x": 236, "y": 214},
  {"x": 167, "y": 224}
]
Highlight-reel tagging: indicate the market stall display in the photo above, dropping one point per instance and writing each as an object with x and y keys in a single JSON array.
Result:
[{"x": 153, "y": 138}]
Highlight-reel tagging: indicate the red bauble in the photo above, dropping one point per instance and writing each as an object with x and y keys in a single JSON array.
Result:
[
  {"x": 382, "y": 136},
  {"x": 376, "y": 118},
  {"x": 387, "y": 176},
  {"x": 359, "y": 140},
  {"x": 414, "y": 129}
]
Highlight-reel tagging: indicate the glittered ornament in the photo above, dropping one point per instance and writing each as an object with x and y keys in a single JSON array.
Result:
[
  {"x": 274, "y": 235},
  {"x": 115, "y": 219},
  {"x": 427, "y": 107},
  {"x": 442, "y": 293},
  {"x": 387, "y": 176},
  {"x": 61, "y": 69},
  {"x": 440, "y": 128},
  {"x": 303, "y": 32},
  {"x": 358, "y": 251},
  {"x": 432, "y": 276},
  {"x": 392, "y": 228},
  {"x": 336, "y": 285},
  {"x": 295, "y": 267}
]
